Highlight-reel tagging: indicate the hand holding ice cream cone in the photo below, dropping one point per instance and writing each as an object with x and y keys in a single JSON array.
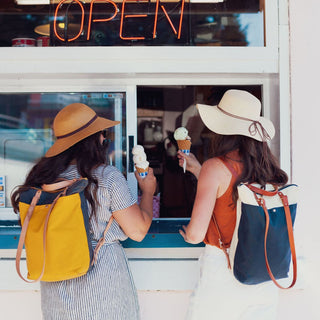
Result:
[
  {"x": 192, "y": 163},
  {"x": 183, "y": 141},
  {"x": 140, "y": 160}
]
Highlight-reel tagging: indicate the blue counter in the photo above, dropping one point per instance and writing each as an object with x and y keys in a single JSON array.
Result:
[{"x": 163, "y": 233}]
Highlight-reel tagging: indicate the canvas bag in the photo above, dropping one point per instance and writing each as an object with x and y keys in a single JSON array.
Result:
[
  {"x": 55, "y": 232},
  {"x": 263, "y": 242}
]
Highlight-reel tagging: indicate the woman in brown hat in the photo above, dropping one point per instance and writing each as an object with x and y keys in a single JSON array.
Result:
[
  {"x": 239, "y": 145},
  {"x": 107, "y": 291}
]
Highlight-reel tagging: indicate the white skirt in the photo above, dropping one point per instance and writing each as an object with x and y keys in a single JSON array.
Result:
[{"x": 219, "y": 295}]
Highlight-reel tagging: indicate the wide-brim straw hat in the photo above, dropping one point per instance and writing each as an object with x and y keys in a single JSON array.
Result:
[
  {"x": 238, "y": 113},
  {"x": 74, "y": 123}
]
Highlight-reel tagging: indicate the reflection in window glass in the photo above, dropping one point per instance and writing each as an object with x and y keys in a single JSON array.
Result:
[
  {"x": 26, "y": 130},
  {"x": 133, "y": 23}
]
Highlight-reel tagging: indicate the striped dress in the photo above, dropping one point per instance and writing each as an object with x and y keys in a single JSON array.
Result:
[{"x": 107, "y": 292}]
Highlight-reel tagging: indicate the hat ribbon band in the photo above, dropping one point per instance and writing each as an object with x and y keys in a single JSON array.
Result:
[
  {"x": 79, "y": 129},
  {"x": 254, "y": 127}
]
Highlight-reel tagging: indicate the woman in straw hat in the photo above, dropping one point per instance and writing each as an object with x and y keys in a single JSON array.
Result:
[
  {"x": 107, "y": 291},
  {"x": 240, "y": 138}
]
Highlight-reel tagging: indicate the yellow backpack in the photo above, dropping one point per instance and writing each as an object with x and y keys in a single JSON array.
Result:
[{"x": 55, "y": 232}]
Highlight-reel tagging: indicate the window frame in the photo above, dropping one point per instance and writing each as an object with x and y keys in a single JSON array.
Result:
[{"x": 163, "y": 237}]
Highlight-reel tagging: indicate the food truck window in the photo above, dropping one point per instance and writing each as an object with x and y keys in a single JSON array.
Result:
[
  {"x": 160, "y": 110},
  {"x": 132, "y": 23},
  {"x": 26, "y": 132}
]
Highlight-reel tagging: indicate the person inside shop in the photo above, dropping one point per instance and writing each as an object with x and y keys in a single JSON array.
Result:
[
  {"x": 107, "y": 291},
  {"x": 239, "y": 139}
]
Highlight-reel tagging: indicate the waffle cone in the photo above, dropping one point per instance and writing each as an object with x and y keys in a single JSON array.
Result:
[
  {"x": 184, "y": 144},
  {"x": 141, "y": 170}
]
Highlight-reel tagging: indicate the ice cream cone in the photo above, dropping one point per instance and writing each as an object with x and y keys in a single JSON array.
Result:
[
  {"x": 184, "y": 145},
  {"x": 140, "y": 160},
  {"x": 142, "y": 171}
]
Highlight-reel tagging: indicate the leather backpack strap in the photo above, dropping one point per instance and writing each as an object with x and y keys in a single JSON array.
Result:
[
  {"x": 285, "y": 202},
  {"x": 101, "y": 241},
  {"x": 222, "y": 244},
  {"x": 230, "y": 167},
  {"x": 223, "y": 247},
  {"x": 262, "y": 192},
  {"x": 58, "y": 185},
  {"x": 24, "y": 232}
]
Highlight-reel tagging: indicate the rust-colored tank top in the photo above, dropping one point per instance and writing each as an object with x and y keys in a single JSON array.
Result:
[{"x": 224, "y": 210}]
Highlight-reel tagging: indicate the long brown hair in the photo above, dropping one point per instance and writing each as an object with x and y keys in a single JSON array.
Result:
[
  {"x": 87, "y": 155},
  {"x": 259, "y": 164}
]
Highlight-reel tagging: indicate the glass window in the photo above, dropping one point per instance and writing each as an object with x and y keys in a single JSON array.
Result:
[
  {"x": 26, "y": 133},
  {"x": 132, "y": 23}
]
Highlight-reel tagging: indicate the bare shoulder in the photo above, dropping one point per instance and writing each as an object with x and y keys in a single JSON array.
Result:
[
  {"x": 214, "y": 172},
  {"x": 215, "y": 169},
  {"x": 214, "y": 166}
]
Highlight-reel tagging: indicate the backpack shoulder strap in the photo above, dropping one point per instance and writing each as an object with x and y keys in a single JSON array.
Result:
[
  {"x": 223, "y": 247},
  {"x": 58, "y": 185},
  {"x": 24, "y": 233},
  {"x": 101, "y": 241},
  {"x": 229, "y": 166},
  {"x": 221, "y": 243}
]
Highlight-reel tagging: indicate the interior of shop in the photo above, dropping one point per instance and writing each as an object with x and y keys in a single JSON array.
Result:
[{"x": 160, "y": 110}]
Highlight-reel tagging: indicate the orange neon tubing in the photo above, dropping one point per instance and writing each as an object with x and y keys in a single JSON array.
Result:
[
  {"x": 155, "y": 19},
  {"x": 171, "y": 24},
  {"x": 100, "y": 20},
  {"x": 135, "y": 15},
  {"x": 165, "y": 12},
  {"x": 181, "y": 16},
  {"x": 55, "y": 21},
  {"x": 125, "y": 16}
]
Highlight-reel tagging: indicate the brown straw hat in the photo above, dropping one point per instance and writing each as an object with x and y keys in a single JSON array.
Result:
[
  {"x": 74, "y": 123},
  {"x": 238, "y": 113}
]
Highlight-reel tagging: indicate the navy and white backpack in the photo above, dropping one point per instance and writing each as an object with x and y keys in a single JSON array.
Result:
[{"x": 263, "y": 244}]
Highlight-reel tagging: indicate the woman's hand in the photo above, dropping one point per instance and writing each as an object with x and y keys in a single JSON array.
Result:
[
  {"x": 148, "y": 183},
  {"x": 193, "y": 165},
  {"x": 183, "y": 233}
]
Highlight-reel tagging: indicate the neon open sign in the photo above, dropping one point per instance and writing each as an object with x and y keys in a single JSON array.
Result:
[{"x": 59, "y": 13}]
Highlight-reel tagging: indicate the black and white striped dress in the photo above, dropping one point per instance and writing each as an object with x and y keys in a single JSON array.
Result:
[{"x": 107, "y": 292}]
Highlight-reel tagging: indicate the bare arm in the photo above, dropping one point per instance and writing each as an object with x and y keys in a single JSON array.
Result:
[
  {"x": 135, "y": 220},
  {"x": 212, "y": 183}
]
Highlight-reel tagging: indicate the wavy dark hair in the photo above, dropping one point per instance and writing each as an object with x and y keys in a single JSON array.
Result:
[
  {"x": 87, "y": 154},
  {"x": 259, "y": 164}
]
